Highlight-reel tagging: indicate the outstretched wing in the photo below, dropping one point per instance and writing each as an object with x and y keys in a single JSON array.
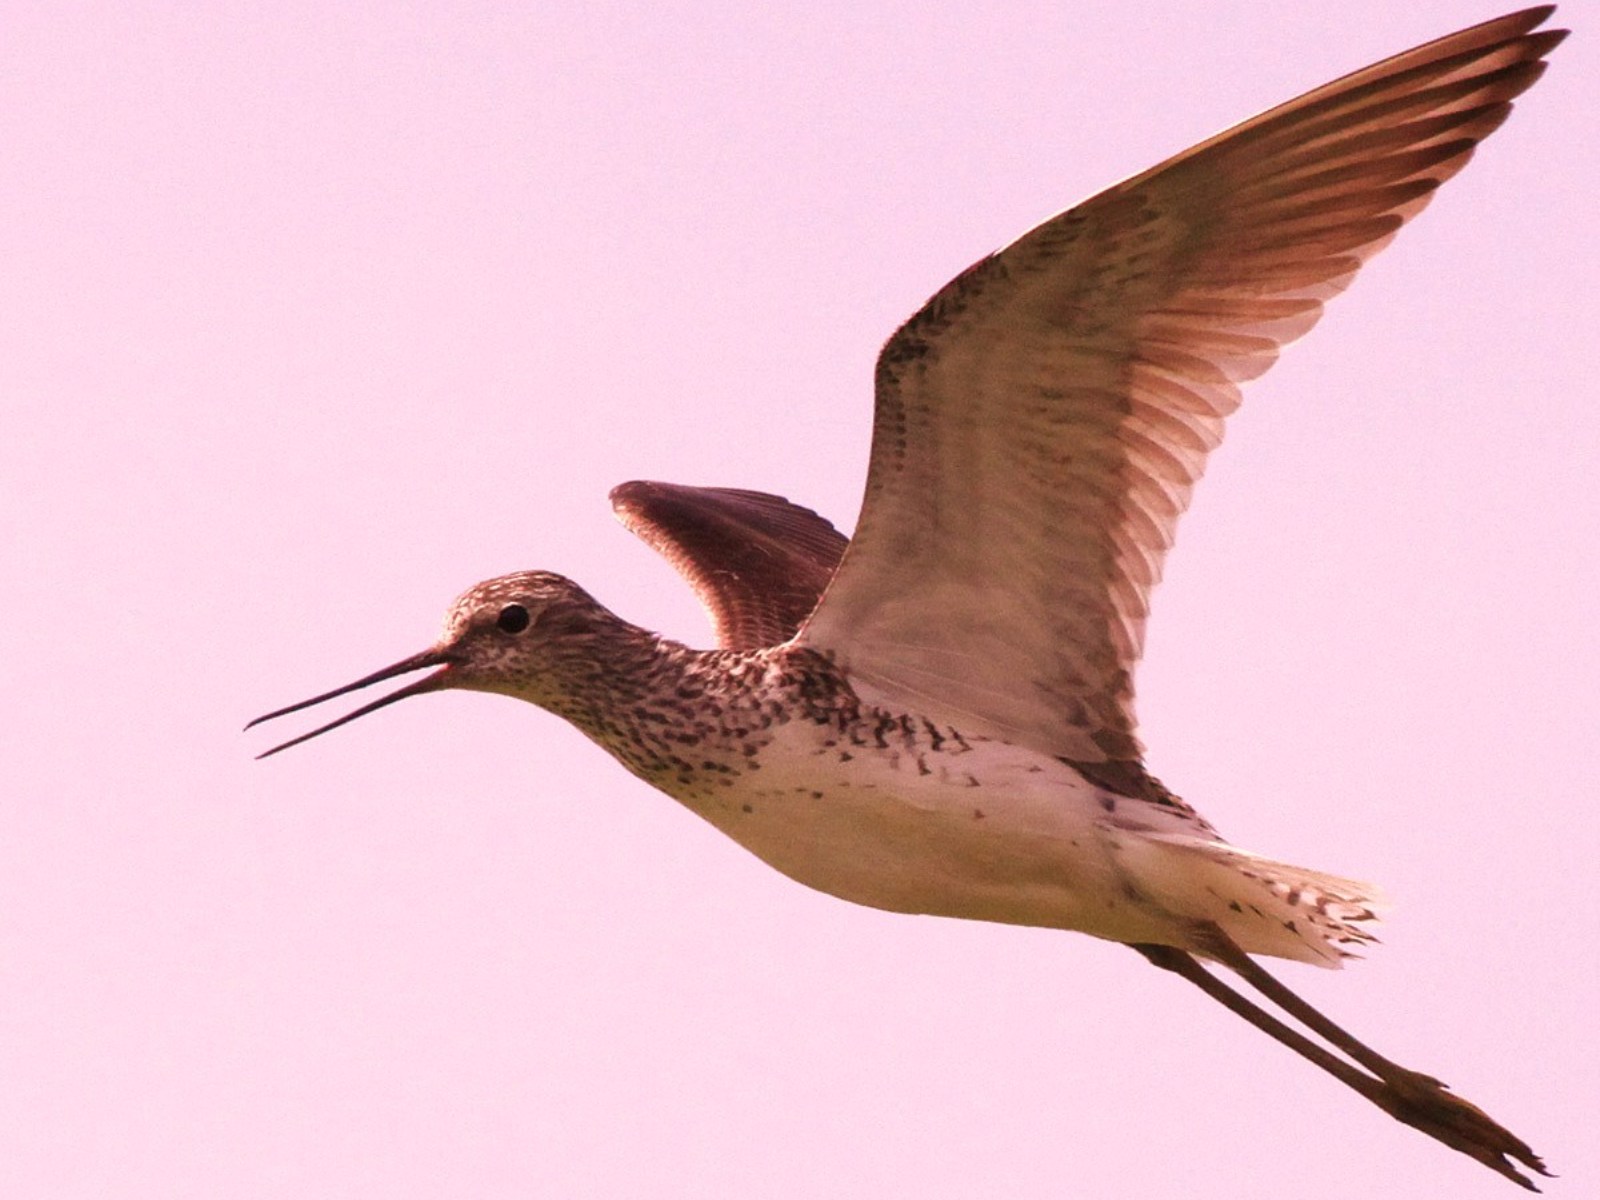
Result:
[
  {"x": 757, "y": 562},
  {"x": 1041, "y": 422}
]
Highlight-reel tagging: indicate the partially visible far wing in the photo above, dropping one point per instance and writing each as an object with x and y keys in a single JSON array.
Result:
[
  {"x": 757, "y": 562},
  {"x": 1041, "y": 422}
]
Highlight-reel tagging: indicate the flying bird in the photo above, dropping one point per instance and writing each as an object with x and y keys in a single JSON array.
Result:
[{"x": 936, "y": 714}]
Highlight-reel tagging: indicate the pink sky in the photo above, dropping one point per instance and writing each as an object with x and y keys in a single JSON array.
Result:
[{"x": 316, "y": 314}]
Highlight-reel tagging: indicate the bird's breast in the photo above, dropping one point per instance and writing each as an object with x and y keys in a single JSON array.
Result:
[{"x": 896, "y": 813}]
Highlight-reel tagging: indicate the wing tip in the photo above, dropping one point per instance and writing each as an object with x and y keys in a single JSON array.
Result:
[{"x": 628, "y": 496}]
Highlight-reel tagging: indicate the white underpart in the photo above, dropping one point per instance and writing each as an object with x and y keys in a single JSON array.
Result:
[{"x": 1000, "y": 832}]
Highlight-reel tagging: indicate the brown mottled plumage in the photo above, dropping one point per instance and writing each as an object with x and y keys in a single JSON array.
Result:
[{"x": 938, "y": 716}]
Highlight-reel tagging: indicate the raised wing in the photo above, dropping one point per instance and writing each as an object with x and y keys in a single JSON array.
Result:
[
  {"x": 1041, "y": 422},
  {"x": 757, "y": 562}
]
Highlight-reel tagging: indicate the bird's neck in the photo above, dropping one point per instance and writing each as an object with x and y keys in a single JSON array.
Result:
[
  {"x": 626, "y": 687},
  {"x": 671, "y": 714}
]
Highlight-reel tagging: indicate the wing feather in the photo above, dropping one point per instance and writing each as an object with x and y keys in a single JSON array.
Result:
[
  {"x": 757, "y": 562},
  {"x": 1042, "y": 421}
]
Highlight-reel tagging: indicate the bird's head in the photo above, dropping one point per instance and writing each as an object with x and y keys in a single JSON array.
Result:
[{"x": 526, "y": 635}]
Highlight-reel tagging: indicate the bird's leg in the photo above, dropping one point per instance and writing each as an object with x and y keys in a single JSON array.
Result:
[
  {"x": 1181, "y": 962},
  {"x": 1415, "y": 1099},
  {"x": 1218, "y": 945},
  {"x": 1421, "y": 1093}
]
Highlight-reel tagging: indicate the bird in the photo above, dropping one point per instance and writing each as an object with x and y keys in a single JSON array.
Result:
[{"x": 935, "y": 715}]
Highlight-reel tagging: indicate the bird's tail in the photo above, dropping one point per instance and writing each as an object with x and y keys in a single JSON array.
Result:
[{"x": 1266, "y": 907}]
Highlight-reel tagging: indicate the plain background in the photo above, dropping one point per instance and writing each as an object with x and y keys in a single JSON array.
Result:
[{"x": 315, "y": 315}]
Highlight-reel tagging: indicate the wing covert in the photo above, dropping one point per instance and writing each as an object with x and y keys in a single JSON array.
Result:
[{"x": 1041, "y": 422}]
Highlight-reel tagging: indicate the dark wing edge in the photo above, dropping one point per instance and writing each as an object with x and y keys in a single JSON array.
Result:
[{"x": 757, "y": 562}]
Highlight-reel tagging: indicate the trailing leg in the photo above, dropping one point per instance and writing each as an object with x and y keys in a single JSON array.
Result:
[{"x": 1415, "y": 1099}]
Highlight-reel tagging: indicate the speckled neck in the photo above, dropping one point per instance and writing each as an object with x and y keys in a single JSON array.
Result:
[{"x": 666, "y": 711}]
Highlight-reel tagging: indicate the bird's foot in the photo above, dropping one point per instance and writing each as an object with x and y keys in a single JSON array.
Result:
[{"x": 1426, "y": 1104}]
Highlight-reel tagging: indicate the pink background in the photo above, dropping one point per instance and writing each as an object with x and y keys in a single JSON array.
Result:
[{"x": 315, "y": 314}]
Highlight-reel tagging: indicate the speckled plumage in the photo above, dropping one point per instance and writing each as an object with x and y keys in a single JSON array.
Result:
[
  {"x": 937, "y": 715},
  {"x": 857, "y": 797}
]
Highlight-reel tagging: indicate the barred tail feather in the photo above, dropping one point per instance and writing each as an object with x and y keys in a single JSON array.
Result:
[{"x": 1266, "y": 907}]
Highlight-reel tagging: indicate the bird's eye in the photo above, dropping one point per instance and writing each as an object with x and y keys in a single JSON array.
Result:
[{"x": 513, "y": 618}]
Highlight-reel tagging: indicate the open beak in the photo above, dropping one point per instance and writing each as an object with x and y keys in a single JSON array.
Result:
[{"x": 417, "y": 662}]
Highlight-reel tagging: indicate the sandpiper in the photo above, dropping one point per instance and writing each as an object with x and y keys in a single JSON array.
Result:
[{"x": 936, "y": 716}]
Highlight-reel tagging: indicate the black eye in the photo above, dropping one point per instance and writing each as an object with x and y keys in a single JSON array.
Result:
[{"x": 513, "y": 618}]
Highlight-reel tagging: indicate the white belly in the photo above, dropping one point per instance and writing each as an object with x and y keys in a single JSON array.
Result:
[{"x": 982, "y": 830}]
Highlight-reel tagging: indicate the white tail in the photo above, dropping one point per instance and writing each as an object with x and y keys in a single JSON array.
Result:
[{"x": 1266, "y": 907}]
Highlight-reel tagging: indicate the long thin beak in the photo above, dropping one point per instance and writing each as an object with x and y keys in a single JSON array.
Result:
[{"x": 429, "y": 683}]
